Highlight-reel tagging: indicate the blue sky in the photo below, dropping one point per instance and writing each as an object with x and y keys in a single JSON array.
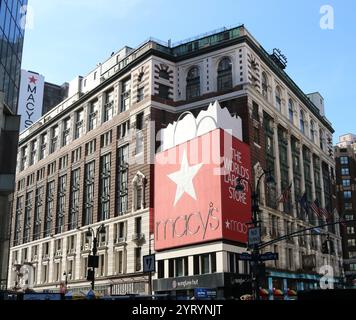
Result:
[{"x": 69, "y": 37}]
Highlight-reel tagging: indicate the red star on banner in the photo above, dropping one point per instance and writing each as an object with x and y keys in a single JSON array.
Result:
[{"x": 33, "y": 80}]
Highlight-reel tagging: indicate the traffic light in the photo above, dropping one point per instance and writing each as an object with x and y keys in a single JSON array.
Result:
[{"x": 325, "y": 247}]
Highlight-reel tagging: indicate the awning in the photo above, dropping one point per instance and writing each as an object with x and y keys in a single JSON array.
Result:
[
  {"x": 278, "y": 292},
  {"x": 264, "y": 292},
  {"x": 291, "y": 293}
]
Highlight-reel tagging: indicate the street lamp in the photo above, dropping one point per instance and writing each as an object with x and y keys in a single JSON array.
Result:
[
  {"x": 93, "y": 261},
  {"x": 255, "y": 208}
]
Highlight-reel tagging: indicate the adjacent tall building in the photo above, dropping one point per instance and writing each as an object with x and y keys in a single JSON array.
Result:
[
  {"x": 89, "y": 162},
  {"x": 345, "y": 154},
  {"x": 11, "y": 44}
]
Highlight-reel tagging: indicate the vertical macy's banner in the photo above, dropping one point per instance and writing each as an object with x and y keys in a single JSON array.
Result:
[
  {"x": 195, "y": 196},
  {"x": 31, "y": 98}
]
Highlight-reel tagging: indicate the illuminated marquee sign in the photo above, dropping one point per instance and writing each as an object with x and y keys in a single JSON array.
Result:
[{"x": 195, "y": 197}]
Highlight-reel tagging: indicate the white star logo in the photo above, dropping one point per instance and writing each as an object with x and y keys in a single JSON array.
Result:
[
  {"x": 227, "y": 224},
  {"x": 184, "y": 178}
]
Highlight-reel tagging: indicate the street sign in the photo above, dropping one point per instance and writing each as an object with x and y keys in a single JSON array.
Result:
[
  {"x": 254, "y": 236},
  {"x": 93, "y": 262},
  {"x": 149, "y": 263},
  {"x": 244, "y": 256},
  {"x": 268, "y": 256},
  {"x": 204, "y": 293}
]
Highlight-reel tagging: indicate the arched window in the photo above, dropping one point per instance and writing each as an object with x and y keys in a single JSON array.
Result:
[
  {"x": 224, "y": 74},
  {"x": 278, "y": 99},
  {"x": 302, "y": 124},
  {"x": 193, "y": 83},
  {"x": 290, "y": 110},
  {"x": 312, "y": 130},
  {"x": 264, "y": 85},
  {"x": 164, "y": 74}
]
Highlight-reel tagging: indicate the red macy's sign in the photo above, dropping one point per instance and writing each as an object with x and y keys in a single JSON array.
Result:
[{"x": 195, "y": 197}]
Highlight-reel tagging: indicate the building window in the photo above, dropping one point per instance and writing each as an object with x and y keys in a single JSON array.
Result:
[
  {"x": 344, "y": 160},
  {"x": 27, "y": 217},
  {"x": 23, "y": 158},
  {"x": 349, "y": 217},
  {"x": 164, "y": 74},
  {"x": 347, "y": 194},
  {"x": 225, "y": 74},
  {"x": 63, "y": 162},
  {"x": 106, "y": 139},
  {"x": 291, "y": 110},
  {"x": 351, "y": 242},
  {"x": 30, "y": 180},
  {"x": 205, "y": 263},
  {"x": 50, "y": 210},
  {"x": 105, "y": 179},
  {"x": 51, "y": 168},
  {"x": 90, "y": 147},
  {"x": 40, "y": 174},
  {"x": 125, "y": 95},
  {"x": 352, "y": 255},
  {"x": 123, "y": 130},
  {"x": 350, "y": 230},
  {"x": 264, "y": 85},
  {"x": 163, "y": 91},
  {"x": 74, "y": 201},
  {"x": 120, "y": 232},
  {"x": 79, "y": 123},
  {"x": 140, "y": 94},
  {"x": 119, "y": 261},
  {"x": 76, "y": 155},
  {"x": 89, "y": 193},
  {"x": 193, "y": 83},
  {"x": 38, "y": 213},
  {"x": 138, "y": 226},
  {"x": 348, "y": 206},
  {"x": 346, "y": 182},
  {"x": 122, "y": 179},
  {"x": 345, "y": 171},
  {"x": 109, "y": 106},
  {"x": 352, "y": 266},
  {"x": 278, "y": 99},
  {"x": 65, "y": 131},
  {"x": 302, "y": 122},
  {"x": 312, "y": 130},
  {"x": 33, "y": 152},
  {"x": 43, "y": 145},
  {"x": 61, "y": 203},
  {"x": 138, "y": 259},
  {"x": 54, "y": 139},
  {"x": 93, "y": 114}
]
